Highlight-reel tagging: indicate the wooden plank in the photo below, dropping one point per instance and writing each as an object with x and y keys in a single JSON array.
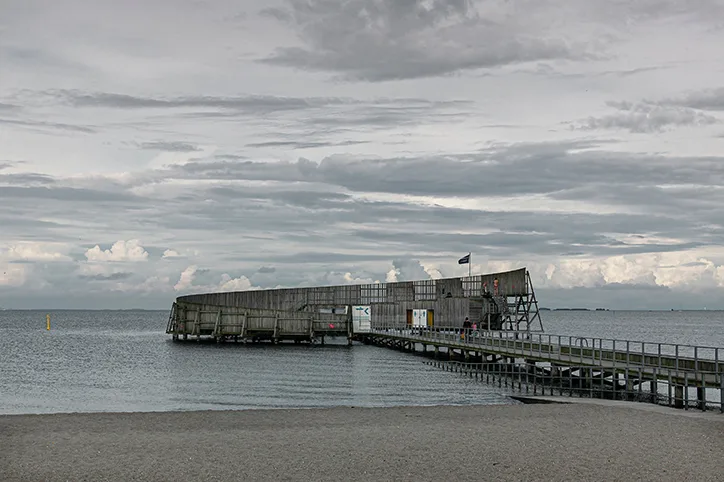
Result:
[{"x": 217, "y": 325}]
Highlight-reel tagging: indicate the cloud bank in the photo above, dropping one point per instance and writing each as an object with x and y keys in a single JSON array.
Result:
[{"x": 253, "y": 145}]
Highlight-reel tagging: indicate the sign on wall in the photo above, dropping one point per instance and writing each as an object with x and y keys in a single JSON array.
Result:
[{"x": 361, "y": 319}]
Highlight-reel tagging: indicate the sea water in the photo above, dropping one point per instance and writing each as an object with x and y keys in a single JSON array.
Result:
[{"x": 122, "y": 361}]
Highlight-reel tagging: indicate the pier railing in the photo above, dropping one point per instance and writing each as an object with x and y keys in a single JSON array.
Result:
[
  {"x": 580, "y": 381},
  {"x": 677, "y": 366},
  {"x": 584, "y": 349}
]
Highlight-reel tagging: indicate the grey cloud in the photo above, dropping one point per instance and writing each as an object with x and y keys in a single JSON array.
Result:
[
  {"x": 259, "y": 103},
  {"x": 694, "y": 263},
  {"x": 33, "y": 57},
  {"x": 64, "y": 194},
  {"x": 107, "y": 277},
  {"x": 314, "y": 208},
  {"x": 549, "y": 168},
  {"x": 231, "y": 157},
  {"x": 557, "y": 170},
  {"x": 26, "y": 225},
  {"x": 323, "y": 115},
  {"x": 306, "y": 199},
  {"x": 169, "y": 146},
  {"x": 521, "y": 233},
  {"x": 646, "y": 117},
  {"x": 266, "y": 269},
  {"x": 49, "y": 125},
  {"x": 502, "y": 244},
  {"x": 346, "y": 120},
  {"x": 25, "y": 178},
  {"x": 671, "y": 201},
  {"x": 303, "y": 145},
  {"x": 277, "y": 13},
  {"x": 8, "y": 107},
  {"x": 395, "y": 39},
  {"x": 326, "y": 257},
  {"x": 548, "y": 70},
  {"x": 711, "y": 100}
]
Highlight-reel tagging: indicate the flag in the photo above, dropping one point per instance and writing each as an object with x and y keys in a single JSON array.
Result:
[{"x": 465, "y": 259}]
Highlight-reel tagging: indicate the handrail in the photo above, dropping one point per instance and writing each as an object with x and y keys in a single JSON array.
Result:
[
  {"x": 594, "y": 344},
  {"x": 498, "y": 333}
]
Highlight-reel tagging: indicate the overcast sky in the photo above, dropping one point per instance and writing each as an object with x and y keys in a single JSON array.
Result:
[{"x": 157, "y": 148}]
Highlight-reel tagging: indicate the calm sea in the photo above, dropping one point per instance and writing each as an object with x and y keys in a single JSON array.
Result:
[{"x": 94, "y": 361}]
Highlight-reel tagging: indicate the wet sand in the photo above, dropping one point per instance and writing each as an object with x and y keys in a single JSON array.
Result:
[{"x": 557, "y": 442}]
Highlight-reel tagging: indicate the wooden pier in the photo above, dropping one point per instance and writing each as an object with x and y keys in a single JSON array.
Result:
[
  {"x": 681, "y": 376},
  {"x": 426, "y": 317}
]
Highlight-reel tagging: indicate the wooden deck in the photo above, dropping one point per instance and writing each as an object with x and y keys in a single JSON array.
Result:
[
  {"x": 624, "y": 365},
  {"x": 541, "y": 348}
]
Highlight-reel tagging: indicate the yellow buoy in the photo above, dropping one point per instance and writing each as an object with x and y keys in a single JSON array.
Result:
[{"x": 47, "y": 322}]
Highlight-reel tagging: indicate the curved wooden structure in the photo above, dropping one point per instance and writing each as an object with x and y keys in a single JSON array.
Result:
[{"x": 498, "y": 301}]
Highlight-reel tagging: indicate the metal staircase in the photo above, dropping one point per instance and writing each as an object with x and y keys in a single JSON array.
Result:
[
  {"x": 502, "y": 303},
  {"x": 171, "y": 325}
]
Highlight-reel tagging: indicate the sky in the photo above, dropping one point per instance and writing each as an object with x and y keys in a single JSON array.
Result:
[{"x": 154, "y": 149}]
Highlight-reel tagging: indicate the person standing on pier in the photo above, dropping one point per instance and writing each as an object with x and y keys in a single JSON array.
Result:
[{"x": 466, "y": 327}]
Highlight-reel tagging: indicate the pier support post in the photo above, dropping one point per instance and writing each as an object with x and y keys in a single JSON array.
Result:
[
  {"x": 630, "y": 382},
  {"x": 555, "y": 374},
  {"x": 701, "y": 398},
  {"x": 678, "y": 396},
  {"x": 437, "y": 352}
]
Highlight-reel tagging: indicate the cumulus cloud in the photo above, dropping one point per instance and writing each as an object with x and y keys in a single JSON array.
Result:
[
  {"x": 186, "y": 279},
  {"x": 228, "y": 283},
  {"x": 121, "y": 250},
  {"x": 686, "y": 271},
  {"x": 409, "y": 270},
  {"x": 225, "y": 283},
  {"x": 33, "y": 251},
  {"x": 13, "y": 274},
  {"x": 170, "y": 253},
  {"x": 151, "y": 285}
]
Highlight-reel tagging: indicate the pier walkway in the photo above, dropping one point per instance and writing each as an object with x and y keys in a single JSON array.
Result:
[{"x": 679, "y": 375}]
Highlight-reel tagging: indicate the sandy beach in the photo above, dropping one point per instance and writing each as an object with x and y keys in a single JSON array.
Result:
[{"x": 561, "y": 442}]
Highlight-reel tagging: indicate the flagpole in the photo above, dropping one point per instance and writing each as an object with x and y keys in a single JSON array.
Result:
[{"x": 470, "y": 262}]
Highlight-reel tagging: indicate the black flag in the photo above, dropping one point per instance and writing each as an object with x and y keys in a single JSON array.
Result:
[{"x": 465, "y": 259}]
